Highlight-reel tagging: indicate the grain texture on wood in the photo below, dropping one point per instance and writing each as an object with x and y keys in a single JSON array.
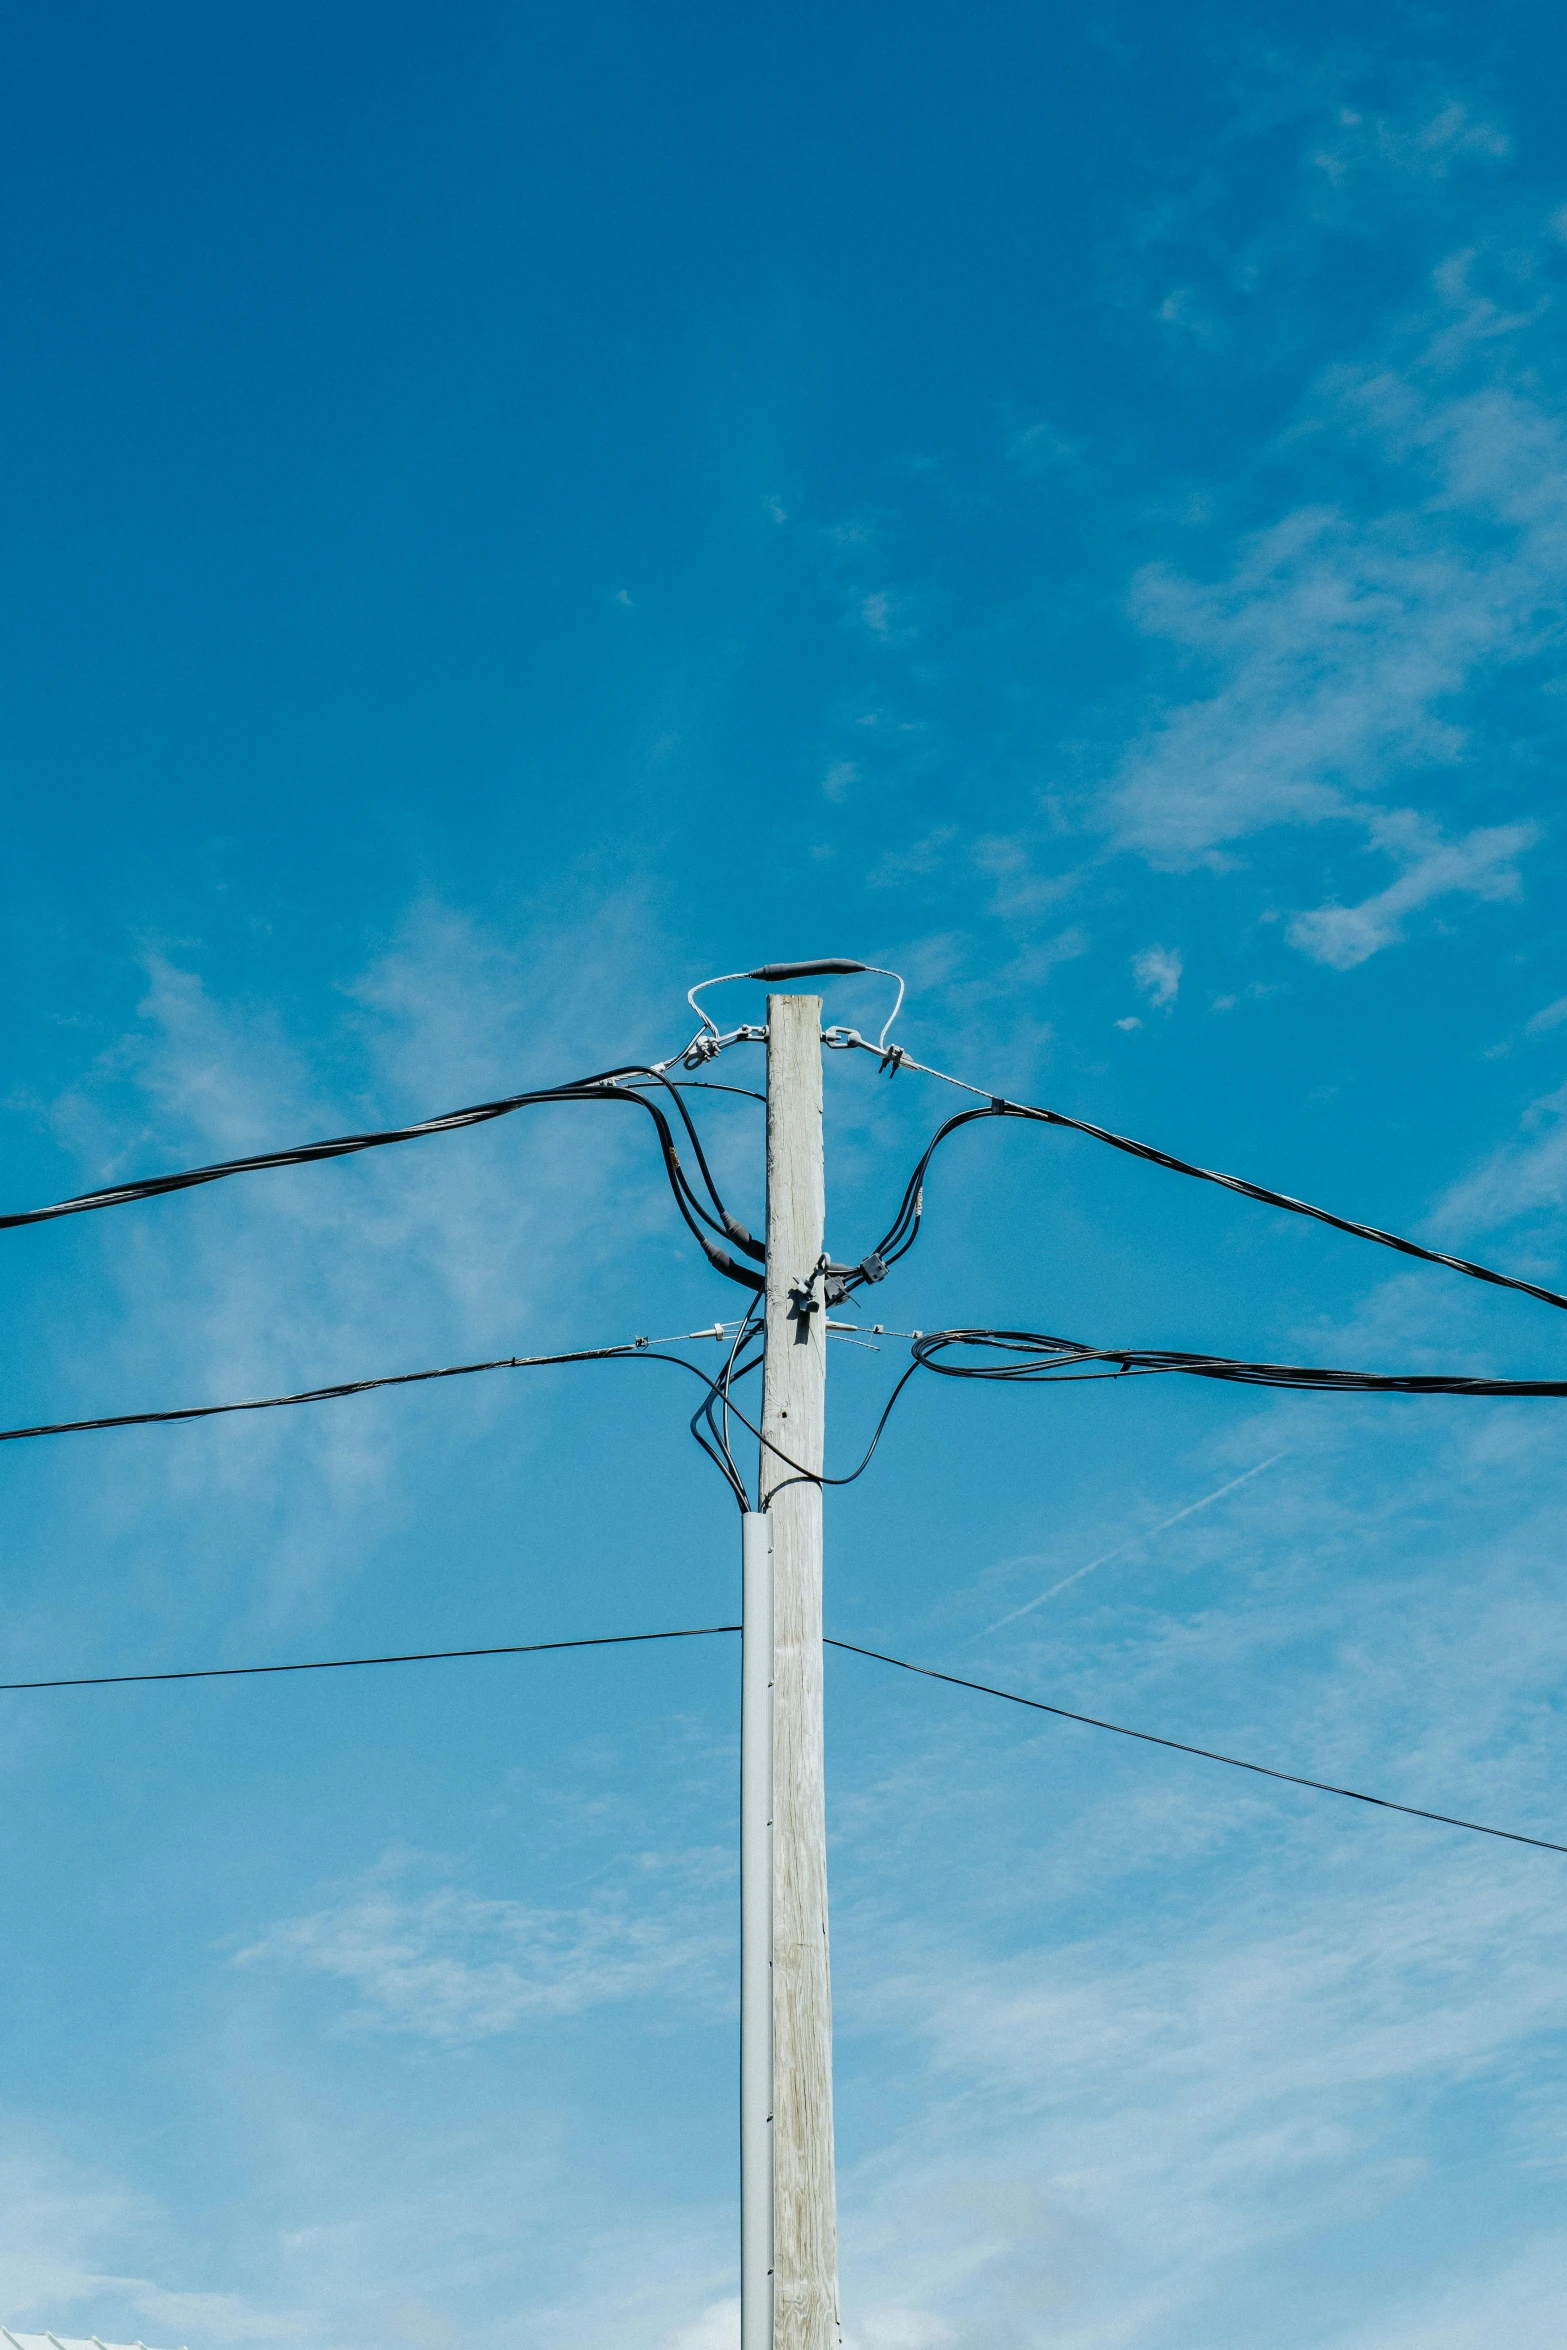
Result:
[{"x": 805, "y": 2252}]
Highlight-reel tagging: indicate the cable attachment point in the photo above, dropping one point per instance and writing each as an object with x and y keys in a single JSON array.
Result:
[{"x": 840, "y": 1039}]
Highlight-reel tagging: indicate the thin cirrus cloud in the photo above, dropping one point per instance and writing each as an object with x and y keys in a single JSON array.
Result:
[
  {"x": 454, "y": 1967},
  {"x": 1482, "y": 865},
  {"x": 1548, "y": 1017},
  {"x": 276, "y": 1281},
  {"x": 1526, "y": 1176},
  {"x": 1339, "y": 646},
  {"x": 1185, "y": 2107}
]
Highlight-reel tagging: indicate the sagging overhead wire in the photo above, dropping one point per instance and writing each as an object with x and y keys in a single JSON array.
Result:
[
  {"x": 642, "y": 1350},
  {"x": 718, "y": 1397},
  {"x": 621, "y": 1084},
  {"x": 1032, "y": 1357},
  {"x": 345, "y": 1664},
  {"x": 431, "y": 1656},
  {"x": 894, "y": 1058},
  {"x": 1234, "y": 1762}
]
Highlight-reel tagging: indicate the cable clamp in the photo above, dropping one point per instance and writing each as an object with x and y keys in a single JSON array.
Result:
[
  {"x": 804, "y": 1294},
  {"x": 873, "y": 1268},
  {"x": 892, "y": 1060},
  {"x": 703, "y": 1049}
]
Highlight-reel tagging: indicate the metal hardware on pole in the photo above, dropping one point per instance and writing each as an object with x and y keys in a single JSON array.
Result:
[
  {"x": 756, "y": 1934},
  {"x": 805, "y": 2224}
]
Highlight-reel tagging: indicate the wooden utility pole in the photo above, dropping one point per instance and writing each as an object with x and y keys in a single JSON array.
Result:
[{"x": 805, "y": 2219}]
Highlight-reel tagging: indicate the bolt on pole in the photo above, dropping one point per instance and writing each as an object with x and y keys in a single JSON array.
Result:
[{"x": 805, "y": 2222}]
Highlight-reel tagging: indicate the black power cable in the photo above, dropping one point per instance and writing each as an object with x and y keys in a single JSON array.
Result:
[
  {"x": 904, "y": 1229},
  {"x": 1032, "y": 1356},
  {"x": 342, "y": 1664},
  {"x": 427, "y": 1656},
  {"x": 635, "y": 1352},
  {"x": 272, "y": 1403},
  {"x": 1203, "y": 1753},
  {"x": 611, "y": 1085}
]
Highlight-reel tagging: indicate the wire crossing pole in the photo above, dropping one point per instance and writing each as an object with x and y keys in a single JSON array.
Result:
[
  {"x": 756, "y": 1934},
  {"x": 805, "y": 2220}
]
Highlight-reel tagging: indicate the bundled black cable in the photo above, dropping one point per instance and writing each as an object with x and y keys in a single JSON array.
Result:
[
  {"x": 1032, "y": 1356},
  {"x": 608, "y": 1085},
  {"x": 904, "y": 1229}
]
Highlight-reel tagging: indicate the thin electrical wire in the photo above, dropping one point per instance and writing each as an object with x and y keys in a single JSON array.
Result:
[
  {"x": 340, "y": 1664},
  {"x": 710, "y": 1085},
  {"x": 634, "y": 1350},
  {"x": 814, "y": 1476},
  {"x": 424, "y": 1656},
  {"x": 710, "y": 1040},
  {"x": 716, "y": 1443},
  {"x": 999, "y": 1107},
  {"x": 729, "y": 1376},
  {"x": 1234, "y": 1762}
]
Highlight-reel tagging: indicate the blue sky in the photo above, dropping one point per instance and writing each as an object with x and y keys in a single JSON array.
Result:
[{"x": 509, "y": 512}]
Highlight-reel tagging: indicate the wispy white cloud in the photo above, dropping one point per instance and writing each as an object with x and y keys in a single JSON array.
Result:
[
  {"x": 1157, "y": 971},
  {"x": 916, "y": 862},
  {"x": 1419, "y": 148},
  {"x": 453, "y": 1966},
  {"x": 1524, "y": 1177},
  {"x": 1148, "y": 2120},
  {"x": 64, "y": 2233},
  {"x": 1483, "y": 864},
  {"x": 1336, "y": 645},
  {"x": 285, "y": 1279}
]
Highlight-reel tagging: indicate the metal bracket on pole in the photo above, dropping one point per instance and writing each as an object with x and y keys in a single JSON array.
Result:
[{"x": 756, "y": 1933}]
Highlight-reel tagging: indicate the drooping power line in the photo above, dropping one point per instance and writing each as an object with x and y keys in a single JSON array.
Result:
[
  {"x": 1032, "y": 1357},
  {"x": 998, "y": 1106},
  {"x": 428, "y": 1656},
  {"x": 1203, "y": 1753}
]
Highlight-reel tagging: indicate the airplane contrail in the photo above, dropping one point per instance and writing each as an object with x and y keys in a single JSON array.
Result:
[{"x": 1121, "y": 1549}]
